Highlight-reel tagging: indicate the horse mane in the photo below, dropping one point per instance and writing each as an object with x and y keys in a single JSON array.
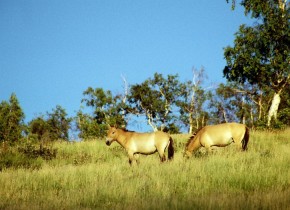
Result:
[
  {"x": 191, "y": 138},
  {"x": 122, "y": 129},
  {"x": 126, "y": 130}
]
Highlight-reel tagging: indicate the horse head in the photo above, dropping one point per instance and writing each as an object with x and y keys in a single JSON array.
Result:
[{"x": 111, "y": 135}]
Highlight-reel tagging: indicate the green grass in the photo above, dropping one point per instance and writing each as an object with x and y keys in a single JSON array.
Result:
[{"x": 90, "y": 175}]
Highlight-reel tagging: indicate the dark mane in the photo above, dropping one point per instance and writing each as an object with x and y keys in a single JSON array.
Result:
[
  {"x": 123, "y": 129},
  {"x": 126, "y": 130},
  {"x": 191, "y": 138}
]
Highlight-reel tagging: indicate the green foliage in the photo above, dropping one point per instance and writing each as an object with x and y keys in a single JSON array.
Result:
[
  {"x": 88, "y": 126},
  {"x": 18, "y": 160},
  {"x": 54, "y": 126},
  {"x": 59, "y": 123},
  {"x": 165, "y": 101},
  {"x": 33, "y": 151},
  {"x": 155, "y": 98},
  {"x": 107, "y": 109},
  {"x": 261, "y": 53},
  {"x": 284, "y": 113},
  {"x": 11, "y": 120},
  {"x": 39, "y": 127},
  {"x": 25, "y": 155},
  {"x": 172, "y": 128},
  {"x": 192, "y": 100}
]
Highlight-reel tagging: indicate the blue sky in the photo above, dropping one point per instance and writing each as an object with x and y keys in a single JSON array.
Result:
[{"x": 53, "y": 50}]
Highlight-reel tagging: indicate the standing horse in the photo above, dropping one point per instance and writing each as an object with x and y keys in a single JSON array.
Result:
[
  {"x": 142, "y": 143},
  {"x": 220, "y": 135}
]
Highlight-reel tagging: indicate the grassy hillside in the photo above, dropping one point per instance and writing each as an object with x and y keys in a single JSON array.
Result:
[{"x": 90, "y": 175}]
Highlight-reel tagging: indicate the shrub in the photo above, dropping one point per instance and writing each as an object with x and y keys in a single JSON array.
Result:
[
  {"x": 12, "y": 159},
  {"x": 27, "y": 156},
  {"x": 32, "y": 151}
]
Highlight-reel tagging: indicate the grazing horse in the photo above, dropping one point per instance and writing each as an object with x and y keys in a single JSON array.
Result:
[
  {"x": 220, "y": 135},
  {"x": 141, "y": 143}
]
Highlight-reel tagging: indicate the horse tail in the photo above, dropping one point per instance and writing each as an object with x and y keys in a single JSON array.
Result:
[
  {"x": 246, "y": 139},
  {"x": 170, "y": 149}
]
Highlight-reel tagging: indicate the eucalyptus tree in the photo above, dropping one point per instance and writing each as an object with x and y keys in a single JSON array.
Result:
[
  {"x": 155, "y": 98},
  {"x": 260, "y": 55},
  {"x": 220, "y": 106},
  {"x": 233, "y": 102},
  {"x": 192, "y": 101}
]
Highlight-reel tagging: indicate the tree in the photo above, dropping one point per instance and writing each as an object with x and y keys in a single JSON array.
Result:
[
  {"x": 107, "y": 109},
  {"x": 11, "y": 120},
  {"x": 59, "y": 123},
  {"x": 193, "y": 97},
  {"x": 232, "y": 102},
  {"x": 155, "y": 98},
  {"x": 260, "y": 55},
  {"x": 284, "y": 113},
  {"x": 53, "y": 126},
  {"x": 39, "y": 127},
  {"x": 88, "y": 126}
]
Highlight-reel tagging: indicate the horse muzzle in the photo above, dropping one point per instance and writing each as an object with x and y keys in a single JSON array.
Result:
[{"x": 108, "y": 142}]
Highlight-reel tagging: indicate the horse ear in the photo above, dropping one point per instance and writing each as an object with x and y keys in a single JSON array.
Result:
[{"x": 108, "y": 126}]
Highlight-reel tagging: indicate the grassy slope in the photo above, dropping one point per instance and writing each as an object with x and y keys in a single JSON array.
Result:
[{"x": 90, "y": 175}]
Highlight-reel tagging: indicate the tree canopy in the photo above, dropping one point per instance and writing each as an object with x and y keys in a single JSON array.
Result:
[{"x": 260, "y": 55}]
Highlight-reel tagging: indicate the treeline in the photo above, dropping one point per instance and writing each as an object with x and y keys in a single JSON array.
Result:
[{"x": 164, "y": 101}]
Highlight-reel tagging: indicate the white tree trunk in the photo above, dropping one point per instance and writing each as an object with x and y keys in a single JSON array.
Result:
[
  {"x": 150, "y": 122},
  {"x": 274, "y": 108},
  {"x": 154, "y": 128},
  {"x": 225, "y": 116},
  {"x": 190, "y": 123}
]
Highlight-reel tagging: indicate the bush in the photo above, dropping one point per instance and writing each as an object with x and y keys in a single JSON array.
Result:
[
  {"x": 28, "y": 156},
  {"x": 275, "y": 125},
  {"x": 11, "y": 159},
  {"x": 32, "y": 151}
]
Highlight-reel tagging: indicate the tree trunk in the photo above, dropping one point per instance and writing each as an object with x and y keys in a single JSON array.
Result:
[
  {"x": 190, "y": 123},
  {"x": 252, "y": 117},
  {"x": 274, "y": 108},
  {"x": 225, "y": 116},
  {"x": 197, "y": 120},
  {"x": 154, "y": 128},
  {"x": 203, "y": 120},
  {"x": 260, "y": 107},
  {"x": 150, "y": 121},
  {"x": 243, "y": 111}
]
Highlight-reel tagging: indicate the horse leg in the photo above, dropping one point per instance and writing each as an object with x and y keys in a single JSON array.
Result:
[
  {"x": 131, "y": 157},
  {"x": 162, "y": 158},
  {"x": 208, "y": 148},
  {"x": 161, "y": 153},
  {"x": 239, "y": 143},
  {"x": 136, "y": 157}
]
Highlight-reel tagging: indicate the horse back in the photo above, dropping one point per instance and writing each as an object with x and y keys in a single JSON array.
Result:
[
  {"x": 154, "y": 139},
  {"x": 223, "y": 134}
]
